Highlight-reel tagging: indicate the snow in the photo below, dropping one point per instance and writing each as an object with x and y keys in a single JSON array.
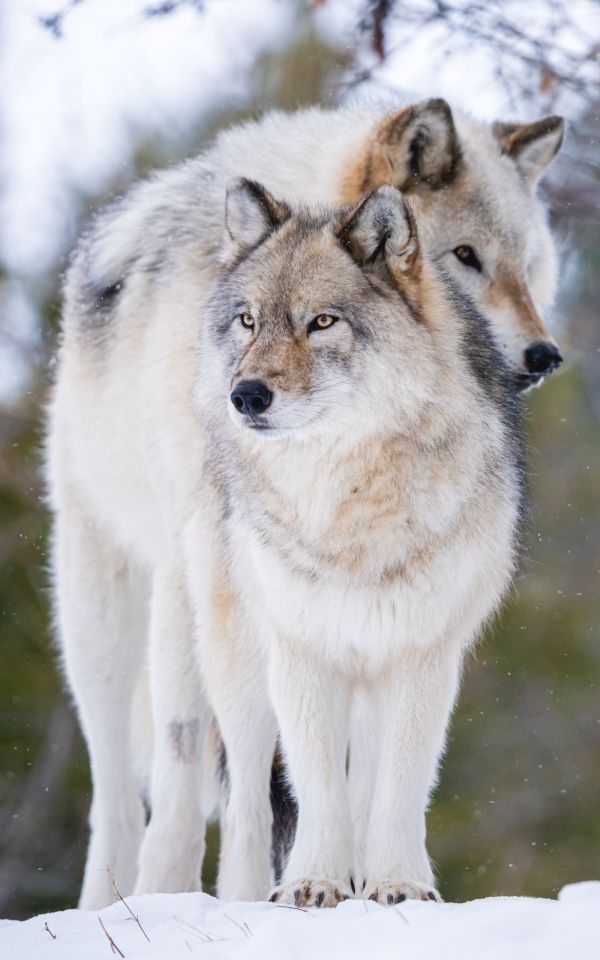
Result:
[{"x": 195, "y": 924}]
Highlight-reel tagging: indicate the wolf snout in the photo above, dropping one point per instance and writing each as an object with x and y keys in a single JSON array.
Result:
[
  {"x": 542, "y": 358},
  {"x": 251, "y": 397}
]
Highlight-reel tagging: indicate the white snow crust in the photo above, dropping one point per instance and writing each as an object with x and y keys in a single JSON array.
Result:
[{"x": 194, "y": 924}]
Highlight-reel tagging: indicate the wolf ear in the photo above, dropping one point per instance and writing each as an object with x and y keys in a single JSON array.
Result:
[
  {"x": 531, "y": 145},
  {"x": 380, "y": 234},
  {"x": 251, "y": 214},
  {"x": 421, "y": 145}
]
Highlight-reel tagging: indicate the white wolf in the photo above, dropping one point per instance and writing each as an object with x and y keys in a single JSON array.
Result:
[{"x": 126, "y": 452}]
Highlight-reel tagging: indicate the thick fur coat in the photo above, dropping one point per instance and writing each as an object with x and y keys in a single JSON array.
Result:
[{"x": 361, "y": 545}]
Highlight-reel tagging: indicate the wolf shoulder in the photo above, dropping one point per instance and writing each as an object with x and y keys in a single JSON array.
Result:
[{"x": 167, "y": 230}]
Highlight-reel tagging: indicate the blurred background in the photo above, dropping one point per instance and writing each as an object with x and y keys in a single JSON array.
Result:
[{"x": 93, "y": 94}]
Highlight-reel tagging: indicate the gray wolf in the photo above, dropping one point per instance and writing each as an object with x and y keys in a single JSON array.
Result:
[
  {"x": 122, "y": 416},
  {"x": 359, "y": 531}
]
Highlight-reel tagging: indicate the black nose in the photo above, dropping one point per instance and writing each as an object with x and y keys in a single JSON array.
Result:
[
  {"x": 251, "y": 397},
  {"x": 542, "y": 358}
]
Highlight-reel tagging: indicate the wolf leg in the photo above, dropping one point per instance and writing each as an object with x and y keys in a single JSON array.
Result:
[
  {"x": 247, "y": 725},
  {"x": 312, "y": 709},
  {"x": 235, "y": 679},
  {"x": 101, "y": 611},
  {"x": 173, "y": 846},
  {"x": 362, "y": 770},
  {"x": 414, "y": 707},
  {"x": 234, "y": 676}
]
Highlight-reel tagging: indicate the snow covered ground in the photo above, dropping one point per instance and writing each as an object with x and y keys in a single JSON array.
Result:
[{"x": 193, "y": 924}]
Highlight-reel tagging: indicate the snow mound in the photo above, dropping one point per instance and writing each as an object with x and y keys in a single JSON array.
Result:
[{"x": 174, "y": 926}]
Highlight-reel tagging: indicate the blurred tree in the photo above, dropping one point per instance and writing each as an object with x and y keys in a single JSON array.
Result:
[
  {"x": 536, "y": 55},
  {"x": 516, "y": 810}
]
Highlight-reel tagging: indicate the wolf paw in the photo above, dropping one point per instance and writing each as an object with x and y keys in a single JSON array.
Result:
[
  {"x": 311, "y": 893},
  {"x": 389, "y": 892}
]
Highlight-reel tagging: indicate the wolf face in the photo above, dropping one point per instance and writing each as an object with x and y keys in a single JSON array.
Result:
[
  {"x": 318, "y": 316},
  {"x": 481, "y": 220}
]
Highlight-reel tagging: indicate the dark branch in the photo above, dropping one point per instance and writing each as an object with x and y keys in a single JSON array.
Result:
[
  {"x": 54, "y": 22},
  {"x": 557, "y": 54}
]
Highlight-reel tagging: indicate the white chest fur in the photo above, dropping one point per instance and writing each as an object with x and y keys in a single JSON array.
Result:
[{"x": 362, "y": 627}]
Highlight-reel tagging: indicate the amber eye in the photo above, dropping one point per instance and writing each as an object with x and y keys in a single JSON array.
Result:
[
  {"x": 246, "y": 321},
  {"x": 467, "y": 256},
  {"x": 322, "y": 322}
]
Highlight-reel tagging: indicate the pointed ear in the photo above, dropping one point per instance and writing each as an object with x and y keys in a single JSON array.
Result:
[
  {"x": 531, "y": 145},
  {"x": 381, "y": 236},
  {"x": 251, "y": 214},
  {"x": 421, "y": 145}
]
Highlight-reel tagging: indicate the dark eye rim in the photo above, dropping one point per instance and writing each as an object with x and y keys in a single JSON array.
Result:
[
  {"x": 240, "y": 317},
  {"x": 465, "y": 254},
  {"x": 314, "y": 325}
]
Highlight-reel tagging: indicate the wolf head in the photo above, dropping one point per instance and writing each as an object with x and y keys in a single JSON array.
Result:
[
  {"x": 474, "y": 186},
  {"x": 330, "y": 321}
]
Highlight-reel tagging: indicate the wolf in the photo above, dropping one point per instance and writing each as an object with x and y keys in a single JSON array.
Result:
[
  {"x": 121, "y": 415},
  {"x": 474, "y": 183},
  {"x": 362, "y": 527}
]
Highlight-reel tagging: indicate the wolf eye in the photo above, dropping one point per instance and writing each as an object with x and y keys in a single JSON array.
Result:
[
  {"x": 467, "y": 256},
  {"x": 322, "y": 322},
  {"x": 246, "y": 321}
]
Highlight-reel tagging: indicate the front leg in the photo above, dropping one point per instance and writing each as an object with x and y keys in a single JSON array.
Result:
[
  {"x": 173, "y": 846},
  {"x": 235, "y": 679},
  {"x": 414, "y": 706},
  {"x": 312, "y": 709}
]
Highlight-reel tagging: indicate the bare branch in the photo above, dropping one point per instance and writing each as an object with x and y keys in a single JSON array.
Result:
[
  {"x": 375, "y": 22},
  {"x": 54, "y": 22},
  {"x": 557, "y": 51},
  {"x": 196, "y": 932},
  {"x": 241, "y": 926},
  {"x": 125, "y": 904},
  {"x": 113, "y": 945}
]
